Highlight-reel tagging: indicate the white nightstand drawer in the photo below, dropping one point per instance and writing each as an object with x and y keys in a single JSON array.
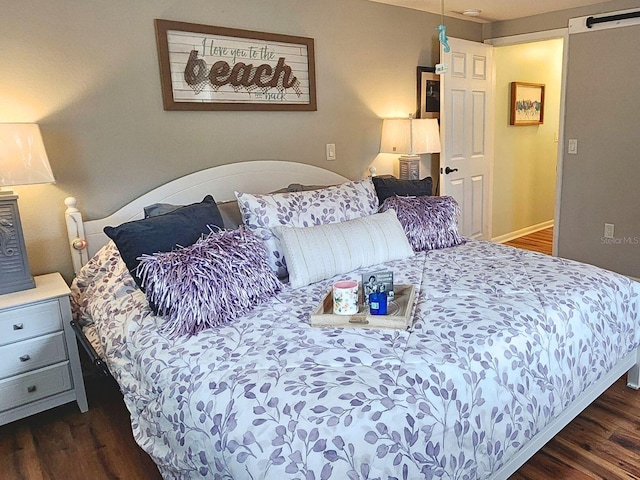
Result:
[
  {"x": 39, "y": 362},
  {"x": 32, "y": 386},
  {"x": 30, "y": 321},
  {"x": 31, "y": 354}
]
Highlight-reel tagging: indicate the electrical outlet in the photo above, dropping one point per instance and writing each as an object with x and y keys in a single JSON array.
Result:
[
  {"x": 331, "y": 151},
  {"x": 608, "y": 230}
]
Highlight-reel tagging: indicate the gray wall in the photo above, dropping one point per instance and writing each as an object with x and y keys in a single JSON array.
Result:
[
  {"x": 550, "y": 21},
  {"x": 600, "y": 183},
  {"x": 87, "y": 72}
]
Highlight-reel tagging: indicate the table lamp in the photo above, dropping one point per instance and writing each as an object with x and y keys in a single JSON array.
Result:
[
  {"x": 410, "y": 137},
  {"x": 23, "y": 161}
]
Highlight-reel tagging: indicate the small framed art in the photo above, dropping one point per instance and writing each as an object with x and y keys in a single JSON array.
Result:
[
  {"x": 527, "y": 103},
  {"x": 428, "y": 93}
]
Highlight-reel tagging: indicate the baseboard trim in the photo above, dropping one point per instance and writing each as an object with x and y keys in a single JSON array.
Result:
[{"x": 522, "y": 232}]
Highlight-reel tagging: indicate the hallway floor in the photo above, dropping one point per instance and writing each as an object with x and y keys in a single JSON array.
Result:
[{"x": 541, "y": 241}]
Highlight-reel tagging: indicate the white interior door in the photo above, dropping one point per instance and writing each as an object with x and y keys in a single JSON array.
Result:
[{"x": 467, "y": 128}]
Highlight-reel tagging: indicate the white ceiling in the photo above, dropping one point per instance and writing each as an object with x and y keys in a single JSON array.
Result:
[{"x": 491, "y": 10}]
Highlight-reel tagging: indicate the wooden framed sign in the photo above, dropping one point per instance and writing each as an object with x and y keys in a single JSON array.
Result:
[{"x": 215, "y": 68}]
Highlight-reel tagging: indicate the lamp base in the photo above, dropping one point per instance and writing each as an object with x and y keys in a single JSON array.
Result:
[
  {"x": 409, "y": 167},
  {"x": 14, "y": 266}
]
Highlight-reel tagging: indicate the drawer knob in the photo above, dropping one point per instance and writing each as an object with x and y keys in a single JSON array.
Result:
[
  {"x": 31, "y": 389},
  {"x": 18, "y": 326},
  {"x": 25, "y": 358}
]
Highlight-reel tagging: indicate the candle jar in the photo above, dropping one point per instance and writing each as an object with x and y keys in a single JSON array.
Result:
[{"x": 378, "y": 303}]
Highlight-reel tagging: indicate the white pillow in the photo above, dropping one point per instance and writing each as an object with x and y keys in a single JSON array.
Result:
[
  {"x": 320, "y": 252},
  {"x": 260, "y": 213}
]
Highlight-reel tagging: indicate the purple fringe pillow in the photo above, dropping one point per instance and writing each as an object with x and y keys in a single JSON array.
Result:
[
  {"x": 428, "y": 222},
  {"x": 217, "y": 279}
]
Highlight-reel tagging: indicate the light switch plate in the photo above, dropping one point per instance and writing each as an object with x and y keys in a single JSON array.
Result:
[
  {"x": 331, "y": 151},
  {"x": 609, "y": 230}
]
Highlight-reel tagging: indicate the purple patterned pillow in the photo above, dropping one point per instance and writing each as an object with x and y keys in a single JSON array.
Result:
[
  {"x": 428, "y": 222},
  {"x": 217, "y": 279},
  {"x": 334, "y": 204}
]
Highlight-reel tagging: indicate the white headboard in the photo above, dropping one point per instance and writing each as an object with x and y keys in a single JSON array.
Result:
[{"x": 261, "y": 176}]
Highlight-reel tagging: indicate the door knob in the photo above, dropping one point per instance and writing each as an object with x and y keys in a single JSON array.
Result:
[{"x": 450, "y": 170}]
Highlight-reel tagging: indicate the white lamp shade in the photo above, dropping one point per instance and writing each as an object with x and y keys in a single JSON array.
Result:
[
  {"x": 23, "y": 159},
  {"x": 408, "y": 136}
]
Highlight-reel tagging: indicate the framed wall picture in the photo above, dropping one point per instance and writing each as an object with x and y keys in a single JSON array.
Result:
[
  {"x": 204, "y": 67},
  {"x": 527, "y": 103},
  {"x": 428, "y": 93}
]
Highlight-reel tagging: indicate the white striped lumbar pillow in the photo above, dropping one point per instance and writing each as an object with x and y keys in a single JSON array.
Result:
[{"x": 323, "y": 251}]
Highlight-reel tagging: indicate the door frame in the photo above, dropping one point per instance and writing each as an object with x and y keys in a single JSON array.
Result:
[{"x": 562, "y": 33}]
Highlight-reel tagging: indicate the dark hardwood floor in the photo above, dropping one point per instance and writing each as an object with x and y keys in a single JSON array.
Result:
[
  {"x": 64, "y": 444},
  {"x": 603, "y": 442}
]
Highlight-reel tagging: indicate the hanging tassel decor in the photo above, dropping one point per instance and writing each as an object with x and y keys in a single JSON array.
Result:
[{"x": 442, "y": 30}]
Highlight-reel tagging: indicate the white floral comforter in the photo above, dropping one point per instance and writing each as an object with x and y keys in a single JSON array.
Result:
[{"x": 503, "y": 340}]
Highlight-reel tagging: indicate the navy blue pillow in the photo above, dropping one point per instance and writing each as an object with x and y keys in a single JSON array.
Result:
[
  {"x": 181, "y": 227},
  {"x": 389, "y": 186}
]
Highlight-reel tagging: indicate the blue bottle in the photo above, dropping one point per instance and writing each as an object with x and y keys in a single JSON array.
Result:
[{"x": 378, "y": 303}]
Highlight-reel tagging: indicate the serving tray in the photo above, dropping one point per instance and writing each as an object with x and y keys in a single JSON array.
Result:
[{"x": 398, "y": 317}]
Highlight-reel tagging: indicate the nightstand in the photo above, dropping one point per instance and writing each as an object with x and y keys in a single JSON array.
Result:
[{"x": 39, "y": 362}]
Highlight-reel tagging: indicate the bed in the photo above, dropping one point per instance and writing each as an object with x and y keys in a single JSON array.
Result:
[{"x": 507, "y": 346}]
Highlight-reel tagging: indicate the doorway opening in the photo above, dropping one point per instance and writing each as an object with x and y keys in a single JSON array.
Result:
[{"x": 528, "y": 159}]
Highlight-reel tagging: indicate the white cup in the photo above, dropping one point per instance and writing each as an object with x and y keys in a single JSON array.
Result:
[{"x": 345, "y": 297}]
